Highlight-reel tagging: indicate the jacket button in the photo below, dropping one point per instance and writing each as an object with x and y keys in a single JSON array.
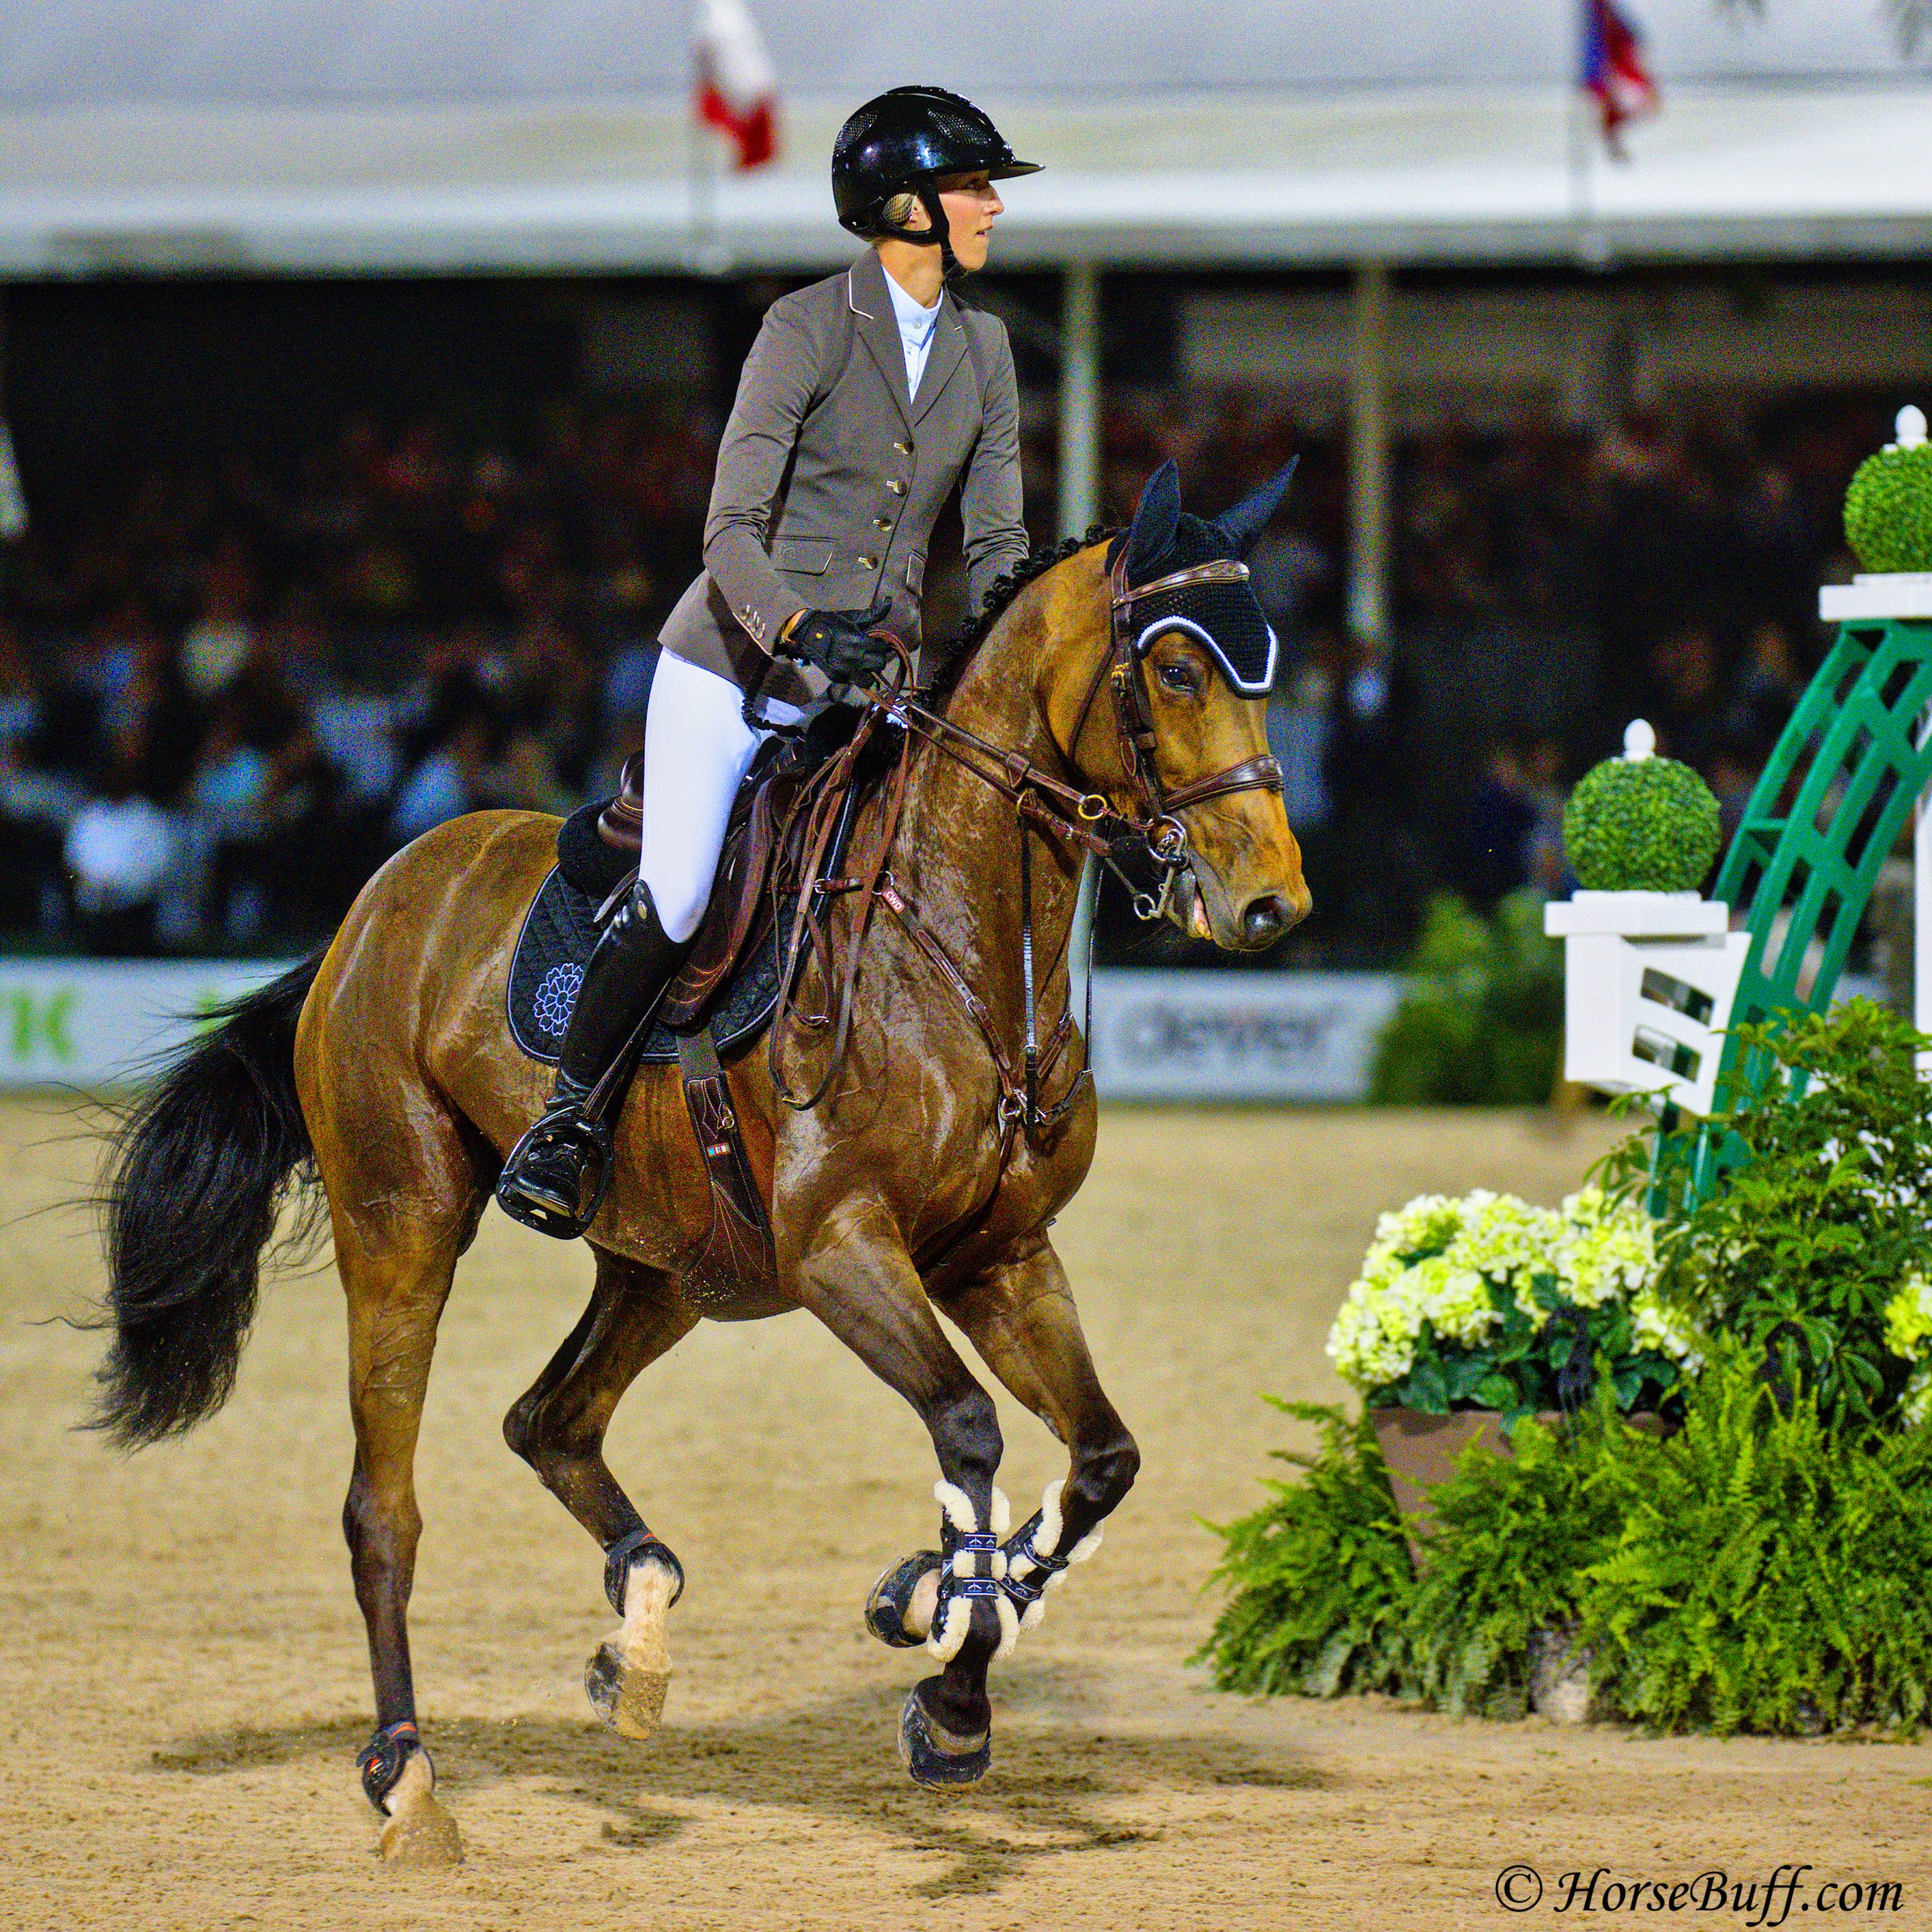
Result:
[
  {"x": 904, "y": 449},
  {"x": 897, "y": 488},
  {"x": 881, "y": 523},
  {"x": 868, "y": 563}
]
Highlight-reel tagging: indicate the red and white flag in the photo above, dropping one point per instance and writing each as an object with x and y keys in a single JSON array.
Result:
[
  {"x": 1614, "y": 69},
  {"x": 737, "y": 87}
]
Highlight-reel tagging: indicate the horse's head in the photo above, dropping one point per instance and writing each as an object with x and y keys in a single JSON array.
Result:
[{"x": 1185, "y": 665}]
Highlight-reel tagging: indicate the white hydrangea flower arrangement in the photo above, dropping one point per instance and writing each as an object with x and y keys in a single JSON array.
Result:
[
  {"x": 1909, "y": 1335},
  {"x": 1455, "y": 1304}
]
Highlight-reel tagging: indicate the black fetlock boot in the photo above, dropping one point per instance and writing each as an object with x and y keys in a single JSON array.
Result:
[{"x": 544, "y": 1184}]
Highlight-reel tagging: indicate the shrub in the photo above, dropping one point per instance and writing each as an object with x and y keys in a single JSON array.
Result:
[
  {"x": 1480, "y": 1022},
  {"x": 1758, "y": 1570},
  {"x": 1641, "y": 825},
  {"x": 1822, "y": 1232},
  {"x": 1509, "y": 1553},
  {"x": 1768, "y": 1573},
  {"x": 1481, "y": 1303},
  {"x": 1888, "y": 508}
]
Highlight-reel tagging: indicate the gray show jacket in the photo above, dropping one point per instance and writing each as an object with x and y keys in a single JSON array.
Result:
[{"x": 830, "y": 478}]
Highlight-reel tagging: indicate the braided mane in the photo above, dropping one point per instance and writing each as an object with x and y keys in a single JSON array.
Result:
[{"x": 958, "y": 652}]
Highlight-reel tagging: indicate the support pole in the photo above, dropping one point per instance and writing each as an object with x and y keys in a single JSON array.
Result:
[
  {"x": 1368, "y": 454},
  {"x": 1080, "y": 507},
  {"x": 1921, "y": 912},
  {"x": 1080, "y": 400}
]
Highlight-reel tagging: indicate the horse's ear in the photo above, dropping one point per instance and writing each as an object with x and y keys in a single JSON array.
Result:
[
  {"x": 1244, "y": 522},
  {"x": 1156, "y": 517}
]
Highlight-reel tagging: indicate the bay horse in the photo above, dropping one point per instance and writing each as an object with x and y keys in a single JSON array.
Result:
[{"x": 383, "y": 1070}]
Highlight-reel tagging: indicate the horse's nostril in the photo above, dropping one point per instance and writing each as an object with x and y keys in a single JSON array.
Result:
[{"x": 1266, "y": 919}]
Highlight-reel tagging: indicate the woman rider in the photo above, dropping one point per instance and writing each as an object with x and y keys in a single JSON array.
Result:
[{"x": 865, "y": 399}]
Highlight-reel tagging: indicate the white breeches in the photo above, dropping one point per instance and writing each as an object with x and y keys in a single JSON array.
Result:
[{"x": 696, "y": 750}]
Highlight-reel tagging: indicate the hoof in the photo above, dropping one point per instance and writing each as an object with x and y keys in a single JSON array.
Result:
[
  {"x": 418, "y": 1832},
  {"x": 898, "y": 1610},
  {"x": 629, "y": 1697},
  {"x": 937, "y": 1757},
  {"x": 626, "y": 1681}
]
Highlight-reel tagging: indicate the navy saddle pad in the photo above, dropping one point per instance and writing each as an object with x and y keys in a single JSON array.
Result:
[{"x": 559, "y": 931}]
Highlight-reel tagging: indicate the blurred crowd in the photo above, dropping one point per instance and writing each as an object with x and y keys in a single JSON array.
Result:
[{"x": 227, "y": 694}]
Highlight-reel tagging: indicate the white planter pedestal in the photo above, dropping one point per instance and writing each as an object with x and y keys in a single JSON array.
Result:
[{"x": 1648, "y": 980}]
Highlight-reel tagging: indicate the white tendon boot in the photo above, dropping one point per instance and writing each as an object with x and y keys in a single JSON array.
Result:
[
  {"x": 1030, "y": 1567},
  {"x": 972, "y": 1567}
]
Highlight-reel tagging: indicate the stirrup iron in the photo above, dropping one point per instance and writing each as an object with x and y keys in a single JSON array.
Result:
[{"x": 565, "y": 1127}]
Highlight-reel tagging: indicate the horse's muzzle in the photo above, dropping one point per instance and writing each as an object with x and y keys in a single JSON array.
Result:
[{"x": 1264, "y": 920}]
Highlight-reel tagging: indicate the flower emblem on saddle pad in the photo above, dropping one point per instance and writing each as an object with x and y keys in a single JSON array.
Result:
[{"x": 554, "y": 997}]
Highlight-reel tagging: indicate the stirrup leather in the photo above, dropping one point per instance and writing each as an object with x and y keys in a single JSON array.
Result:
[{"x": 564, "y": 1134}]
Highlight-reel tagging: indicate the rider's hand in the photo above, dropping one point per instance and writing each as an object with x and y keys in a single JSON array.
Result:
[{"x": 840, "y": 643}]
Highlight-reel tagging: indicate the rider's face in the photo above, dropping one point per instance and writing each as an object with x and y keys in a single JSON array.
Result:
[{"x": 971, "y": 202}]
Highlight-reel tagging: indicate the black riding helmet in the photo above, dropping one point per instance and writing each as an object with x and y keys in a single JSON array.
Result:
[{"x": 901, "y": 142}]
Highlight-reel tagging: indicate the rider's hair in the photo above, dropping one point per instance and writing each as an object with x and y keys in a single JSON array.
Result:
[{"x": 898, "y": 207}]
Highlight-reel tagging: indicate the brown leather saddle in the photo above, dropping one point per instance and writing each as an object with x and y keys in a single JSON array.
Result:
[
  {"x": 741, "y": 911},
  {"x": 760, "y": 864}
]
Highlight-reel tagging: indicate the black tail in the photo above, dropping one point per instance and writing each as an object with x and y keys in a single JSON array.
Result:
[{"x": 197, "y": 1175}]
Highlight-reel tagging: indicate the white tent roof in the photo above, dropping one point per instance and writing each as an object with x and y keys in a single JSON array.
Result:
[{"x": 473, "y": 134}]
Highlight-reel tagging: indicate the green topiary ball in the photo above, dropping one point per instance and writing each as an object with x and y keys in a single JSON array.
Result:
[
  {"x": 1888, "y": 507},
  {"x": 1641, "y": 825}
]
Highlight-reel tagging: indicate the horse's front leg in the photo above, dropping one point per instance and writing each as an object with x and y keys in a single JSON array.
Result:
[
  {"x": 857, "y": 1277},
  {"x": 1020, "y": 1316}
]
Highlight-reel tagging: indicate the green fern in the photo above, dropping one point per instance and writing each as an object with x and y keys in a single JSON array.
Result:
[
  {"x": 1757, "y": 1571},
  {"x": 1319, "y": 1576},
  {"x": 1769, "y": 1573},
  {"x": 1507, "y": 1556}
]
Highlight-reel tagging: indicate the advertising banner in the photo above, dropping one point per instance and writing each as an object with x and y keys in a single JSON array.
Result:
[
  {"x": 1158, "y": 1035},
  {"x": 91, "y": 1023},
  {"x": 1162, "y": 1035}
]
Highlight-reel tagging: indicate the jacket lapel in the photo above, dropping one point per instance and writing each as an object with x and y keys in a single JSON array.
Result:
[
  {"x": 878, "y": 327},
  {"x": 948, "y": 352}
]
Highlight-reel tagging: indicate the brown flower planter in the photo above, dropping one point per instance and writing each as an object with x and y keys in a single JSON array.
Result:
[{"x": 1422, "y": 1451}]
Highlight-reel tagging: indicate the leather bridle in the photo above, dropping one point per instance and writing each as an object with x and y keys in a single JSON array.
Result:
[{"x": 1086, "y": 818}]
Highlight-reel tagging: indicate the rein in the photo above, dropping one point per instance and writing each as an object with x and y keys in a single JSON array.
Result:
[{"x": 1151, "y": 829}]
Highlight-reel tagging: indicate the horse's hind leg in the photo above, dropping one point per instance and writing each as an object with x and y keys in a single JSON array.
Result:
[
  {"x": 558, "y": 1428},
  {"x": 403, "y": 1205}
]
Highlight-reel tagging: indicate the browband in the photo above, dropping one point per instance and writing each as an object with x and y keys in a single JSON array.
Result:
[{"x": 1222, "y": 570}]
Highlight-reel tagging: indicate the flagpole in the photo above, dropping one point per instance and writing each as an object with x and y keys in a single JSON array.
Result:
[
  {"x": 1586, "y": 237},
  {"x": 701, "y": 155},
  {"x": 1591, "y": 245},
  {"x": 702, "y": 178}
]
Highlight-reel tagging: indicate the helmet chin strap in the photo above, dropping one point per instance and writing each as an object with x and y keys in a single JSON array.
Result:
[{"x": 948, "y": 263}]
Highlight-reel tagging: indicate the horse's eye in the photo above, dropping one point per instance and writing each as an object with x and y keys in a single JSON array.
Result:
[{"x": 1179, "y": 677}]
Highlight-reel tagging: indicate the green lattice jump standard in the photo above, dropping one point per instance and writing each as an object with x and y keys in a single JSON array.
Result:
[{"x": 1829, "y": 807}]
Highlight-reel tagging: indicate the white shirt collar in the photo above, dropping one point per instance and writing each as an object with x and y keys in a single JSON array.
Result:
[{"x": 915, "y": 324}]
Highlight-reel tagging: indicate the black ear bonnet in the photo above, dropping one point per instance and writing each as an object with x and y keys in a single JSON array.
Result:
[{"x": 1227, "y": 618}]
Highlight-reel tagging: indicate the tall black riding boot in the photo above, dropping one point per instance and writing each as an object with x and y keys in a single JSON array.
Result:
[{"x": 543, "y": 1184}]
